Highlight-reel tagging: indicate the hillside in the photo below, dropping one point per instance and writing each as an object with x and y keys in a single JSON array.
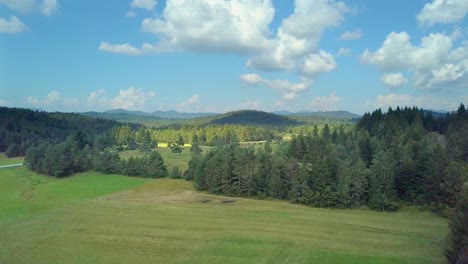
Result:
[
  {"x": 96, "y": 218},
  {"x": 252, "y": 117},
  {"x": 171, "y": 114},
  {"x": 324, "y": 114},
  {"x": 22, "y": 128}
]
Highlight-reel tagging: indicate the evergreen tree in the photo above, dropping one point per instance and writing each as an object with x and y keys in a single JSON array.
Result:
[
  {"x": 154, "y": 166},
  {"x": 456, "y": 250},
  {"x": 382, "y": 193}
]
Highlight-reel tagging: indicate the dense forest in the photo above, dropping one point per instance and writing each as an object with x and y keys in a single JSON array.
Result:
[
  {"x": 402, "y": 157},
  {"x": 251, "y": 117},
  {"x": 23, "y": 128}
]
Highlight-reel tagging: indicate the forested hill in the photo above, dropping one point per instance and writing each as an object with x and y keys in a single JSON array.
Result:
[
  {"x": 252, "y": 117},
  {"x": 322, "y": 114},
  {"x": 22, "y": 128}
]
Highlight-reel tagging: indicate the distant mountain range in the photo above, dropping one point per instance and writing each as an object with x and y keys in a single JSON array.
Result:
[
  {"x": 162, "y": 114},
  {"x": 127, "y": 115},
  {"x": 179, "y": 115},
  {"x": 324, "y": 114}
]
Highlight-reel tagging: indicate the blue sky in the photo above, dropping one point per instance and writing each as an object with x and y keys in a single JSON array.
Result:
[{"x": 223, "y": 55}]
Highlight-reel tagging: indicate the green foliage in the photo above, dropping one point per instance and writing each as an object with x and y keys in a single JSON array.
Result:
[
  {"x": 151, "y": 166},
  {"x": 59, "y": 160},
  {"x": 456, "y": 250},
  {"x": 23, "y": 128},
  {"x": 251, "y": 117},
  {"x": 175, "y": 148},
  {"x": 382, "y": 194},
  {"x": 175, "y": 173}
]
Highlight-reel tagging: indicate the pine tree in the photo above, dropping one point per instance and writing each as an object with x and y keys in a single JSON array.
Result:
[
  {"x": 382, "y": 192},
  {"x": 456, "y": 250}
]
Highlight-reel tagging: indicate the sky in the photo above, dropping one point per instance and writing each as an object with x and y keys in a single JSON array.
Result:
[{"x": 224, "y": 55}]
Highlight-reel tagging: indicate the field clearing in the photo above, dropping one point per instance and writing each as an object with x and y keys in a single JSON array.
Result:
[
  {"x": 4, "y": 160},
  {"x": 170, "y": 159},
  {"x": 89, "y": 218}
]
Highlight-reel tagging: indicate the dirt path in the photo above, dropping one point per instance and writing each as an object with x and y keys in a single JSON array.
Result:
[{"x": 11, "y": 165}]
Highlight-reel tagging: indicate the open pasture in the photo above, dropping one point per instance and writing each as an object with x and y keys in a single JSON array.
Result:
[{"x": 95, "y": 218}]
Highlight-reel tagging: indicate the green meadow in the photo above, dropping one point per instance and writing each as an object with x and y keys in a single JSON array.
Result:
[
  {"x": 95, "y": 218},
  {"x": 9, "y": 161}
]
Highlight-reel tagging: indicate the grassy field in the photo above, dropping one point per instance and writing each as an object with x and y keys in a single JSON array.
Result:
[
  {"x": 8, "y": 161},
  {"x": 170, "y": 159},
  {"x": 88, "y": 219}
]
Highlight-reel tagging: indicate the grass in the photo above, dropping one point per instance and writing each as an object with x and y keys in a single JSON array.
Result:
[
  {"x": 170, "y": 159},
  {"x": 85, "y": 219},
  {"x": 8, "y": 161}
]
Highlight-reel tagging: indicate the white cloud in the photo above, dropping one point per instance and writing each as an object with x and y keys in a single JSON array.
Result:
[
  {"x": 213, "y": 25},
  {"x": 343, "y": 52},
  {"x": 279, "y": 104},
  {"x": 49, "y": 7},
  {"x": 145, "y": 4},
  {"x": 435, "y": 102},
  {"x": 190, "y": 104},
  {"x": 434, "y": 64},
  {"x": 46, "y": 7},
  {"x": 252, "y": 79},
  {"x": 352, "y": 35},
  {"x": 4, "y": 103},
  {"x": 393, "y": 79},
  {"x": 326, "y": 103},
  {"x": 319, "y": 63},
  {"x": 12, "y": 25},
  {"x": 22, "y": 6},
  {"x": 242, "y": 27},
  {"x": 130, "y": 99},
  {"x": 443, "y": 11},
  {"x": 120, "y": 48},
  {"x": 288, "y": 89},
  {"x": 299, "y": 35},
  {"x": 53, "y": 99}
]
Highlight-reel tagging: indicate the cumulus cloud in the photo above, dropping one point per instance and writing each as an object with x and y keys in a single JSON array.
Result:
[
  {"x": 130, "y": 99},
  {"x": 46, "y": 7},
  {"x": 393, "y": 79},
  {"x": 343, "y": 52},
  {"x": 22, "y": 6},
  {"x": 299, "y": 35},
  {"x": 12, "y": 25},
  {"x": 435, "y": 102},
  {"x": 49, "y": 7},
  {"x": 242, "y": 27},
  {"x": 443, "y": 12},
  {"x": 434, "y": 64},
  {"x": 326, "y": 103},
  {"x": 319, "y": 63},
  {"x": 288, "y": 89},
  {"x": 190, "y": 104},
  {"x": 145, "y": 4},
  {"x": 213, "y": 25},
  {"x": 352, "y": 35},
  {"x": 53, "y": 99},
  {"x": 120, "y": 48}
]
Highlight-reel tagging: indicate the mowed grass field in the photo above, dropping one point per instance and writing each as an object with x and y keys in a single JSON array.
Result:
[
  {"x": 8, "y": 161},
  {"x": 94, "y": 218}
]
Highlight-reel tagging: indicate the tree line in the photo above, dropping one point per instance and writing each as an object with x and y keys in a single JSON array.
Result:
[{"x": 403, "y": 162}]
